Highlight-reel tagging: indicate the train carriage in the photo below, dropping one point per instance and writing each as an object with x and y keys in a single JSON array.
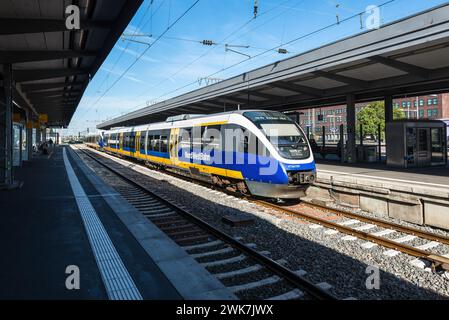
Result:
[{"x": 262, "y": 153}]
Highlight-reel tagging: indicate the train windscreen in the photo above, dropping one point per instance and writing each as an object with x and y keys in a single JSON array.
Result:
[{"x": 283, "y": 133}]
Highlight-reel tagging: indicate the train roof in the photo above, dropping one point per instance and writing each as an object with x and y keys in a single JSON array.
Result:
[{"x": 187, "y": 119}]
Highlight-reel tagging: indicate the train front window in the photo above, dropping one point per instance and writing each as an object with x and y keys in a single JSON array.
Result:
[{"x": 282, "y": 132}]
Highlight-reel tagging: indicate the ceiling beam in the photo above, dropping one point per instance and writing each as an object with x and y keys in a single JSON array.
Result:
[
  {"x": 18, "y": 56},
  {"x": 52, "y": 93},
  {"x": 402, "y": 66},
  {"x": 262, "y": 95},
  {"x": 212, "y": 104},
  {"x": 46, "y": 86},
  {"x": 40, "y": 74},
  {"x": 343, "y": 79},
  {"x": 194, "y": 108},
  {"x": 52, "y": 100},
  {"x": 55, "y": 97},
  {"x": 21, "y": 26},
  {"x": 22, "y": 100},
  {"x": 55, "y": 105},
  {"x": 233, "y": 100},
  {"x": 294, "y": 87}
]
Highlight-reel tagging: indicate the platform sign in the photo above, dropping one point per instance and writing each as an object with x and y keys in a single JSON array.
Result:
[
  {"x": 43, "y": 118},
  {"x": 16, "y": 117}
]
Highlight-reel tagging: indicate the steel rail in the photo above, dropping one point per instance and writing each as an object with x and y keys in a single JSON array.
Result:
[
  {"x": 382, "y": 223},
  {"x": 437, "y": 261},
  {"x": 270, "y": 264}
]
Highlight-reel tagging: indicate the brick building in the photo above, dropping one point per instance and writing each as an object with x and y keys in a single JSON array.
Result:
[{"x": 420, "y": 107}]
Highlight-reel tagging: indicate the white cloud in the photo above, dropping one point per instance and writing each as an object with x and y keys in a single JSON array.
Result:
[
  {"x": 129, "y": 76},
  {"x": 136, "y": 54}
]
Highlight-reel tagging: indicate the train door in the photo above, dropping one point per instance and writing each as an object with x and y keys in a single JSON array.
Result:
[
  {"x": 137, "y": 153},
  {"x": 174, "y": 146},
  {"x": 120, "y": 141}
]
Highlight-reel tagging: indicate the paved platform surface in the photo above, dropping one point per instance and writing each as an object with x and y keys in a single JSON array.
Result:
[
  {"x": 433, "y": 176},
  {"x": 42, "y": 233}
]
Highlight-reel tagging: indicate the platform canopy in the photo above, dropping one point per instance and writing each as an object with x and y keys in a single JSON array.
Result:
[
  {"x": 51, "y": 64},
  {"x": 406, "y": 57}
]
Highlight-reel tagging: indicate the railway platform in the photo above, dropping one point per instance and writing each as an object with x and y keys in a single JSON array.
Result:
[
  {"x": 66, "y": 222},
  {"x": 419, "y": 196}
]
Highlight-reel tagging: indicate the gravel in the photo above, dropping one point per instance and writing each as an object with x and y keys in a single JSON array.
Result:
[{"x": 343, "y": 264}]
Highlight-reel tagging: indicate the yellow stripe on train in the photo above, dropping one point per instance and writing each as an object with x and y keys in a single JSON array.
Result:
[{"x": 181, "y": 164}]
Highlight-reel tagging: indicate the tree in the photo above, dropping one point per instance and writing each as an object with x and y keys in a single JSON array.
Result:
[{"x": 373, "y": 115}]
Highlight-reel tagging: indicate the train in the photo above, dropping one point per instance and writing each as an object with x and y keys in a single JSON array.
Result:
[{"x": 254, "y": 152}]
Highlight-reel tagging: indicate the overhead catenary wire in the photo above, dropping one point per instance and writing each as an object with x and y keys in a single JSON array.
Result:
[
  {"x": 149, "y": 7},
  {"x": 271, "y": 49},
  {"x": 144, "y": 52},
  {"x": 241, "y": 27}
]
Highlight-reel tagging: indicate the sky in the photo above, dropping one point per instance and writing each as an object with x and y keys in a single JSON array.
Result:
[{"x": 160, "y": 54}]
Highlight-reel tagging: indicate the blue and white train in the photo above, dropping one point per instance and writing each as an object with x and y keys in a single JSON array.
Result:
[{"x": 255, "y": 152}]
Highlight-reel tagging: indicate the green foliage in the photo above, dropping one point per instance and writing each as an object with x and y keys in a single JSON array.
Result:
[{"x": 373, "y": 115}]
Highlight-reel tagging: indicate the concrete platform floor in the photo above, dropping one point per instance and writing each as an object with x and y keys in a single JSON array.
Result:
[
  {"x": 433, "y": 176},
  {"x": 41, "y": 233}
]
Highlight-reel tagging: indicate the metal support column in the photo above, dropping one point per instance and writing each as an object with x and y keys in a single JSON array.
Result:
[
  {"x": 38, "y": 136},
  {"x": 351, "y": 155},
  {"x": 388, "y": 116},
  {"x": 6, "y": 174},
  {"x": 388, "y": 109},
  {"x": 29, "y": 132},
  {"x": 342, "y": 143}
]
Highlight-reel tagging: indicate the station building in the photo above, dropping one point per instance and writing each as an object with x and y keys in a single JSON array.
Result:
[{"x": 432, "y": 107}]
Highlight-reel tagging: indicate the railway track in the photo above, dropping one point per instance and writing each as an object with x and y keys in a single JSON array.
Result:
[
  {"x": 438, "y": 262},
  {"x": 352, "y": 228},
  {"x": 248, "y": 273}
]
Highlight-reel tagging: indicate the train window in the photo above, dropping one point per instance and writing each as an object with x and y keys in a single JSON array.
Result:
[
  {"x": 283, "y": 133},
  {"x": 233, "y": 138},
  {"x": 128, "y": 140},
  {"x": 212, "y": 138},
  {"x": 156, "y": 142},
  {"x": 150, "y": 142},
  {"x": 142, "y": 140},
  {"x": 164, "y": 141},
  {"x": 132, "y": 140},
  {"x": 197, "y": 133},
  {"x": 185, "y": 138},
  {"x": 164, "y": 144}
]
